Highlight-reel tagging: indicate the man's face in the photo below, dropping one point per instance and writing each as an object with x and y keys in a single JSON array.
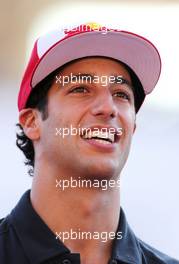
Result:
[{"x": 98, "y": 106}]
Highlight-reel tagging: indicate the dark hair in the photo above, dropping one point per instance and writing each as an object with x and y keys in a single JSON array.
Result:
[
  {"x": 38, "y": 99},
  {"x": 138, "y": 90}
]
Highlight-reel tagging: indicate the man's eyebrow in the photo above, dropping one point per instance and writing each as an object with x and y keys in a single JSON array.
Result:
[
  {"x": 121, "y": 80},
  {"x": 88, "y": 77},
  {"x": 117, "y": 78},
  {"x": 80, "y": 76}
]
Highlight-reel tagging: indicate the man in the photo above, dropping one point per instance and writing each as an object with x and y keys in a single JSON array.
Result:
[{"x": 78, "y": 102}]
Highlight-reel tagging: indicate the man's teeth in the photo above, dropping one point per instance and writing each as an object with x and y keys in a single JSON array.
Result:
[
  {"x": 105, "y": 142},
  {"x": 99, "y": 134}
]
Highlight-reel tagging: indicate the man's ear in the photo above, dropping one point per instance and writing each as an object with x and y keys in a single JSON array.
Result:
[{"x": 29, "y": 120}]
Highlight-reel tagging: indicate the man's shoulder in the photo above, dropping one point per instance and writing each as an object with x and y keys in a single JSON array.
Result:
[
  {"x": 153, "y": 256},
  {"x": 134, "y": 250},
  {"x": 11, "y": 251}
]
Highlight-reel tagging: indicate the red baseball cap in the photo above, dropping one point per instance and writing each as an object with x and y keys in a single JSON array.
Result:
[{"x": 58, "y": 47}]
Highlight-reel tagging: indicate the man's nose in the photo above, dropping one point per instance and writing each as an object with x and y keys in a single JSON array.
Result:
[{"x": 104, "y": 106}]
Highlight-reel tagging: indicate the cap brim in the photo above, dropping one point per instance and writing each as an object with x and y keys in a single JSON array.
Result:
[{"x": 135, "y": 51}]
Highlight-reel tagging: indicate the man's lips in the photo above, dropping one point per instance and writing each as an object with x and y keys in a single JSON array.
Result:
[{"x": 105, "y": 135}]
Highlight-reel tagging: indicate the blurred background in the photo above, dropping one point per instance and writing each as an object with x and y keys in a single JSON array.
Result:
[{"x": 150, "y": 180}]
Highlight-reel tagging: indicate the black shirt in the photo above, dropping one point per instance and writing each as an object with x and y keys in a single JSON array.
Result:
[{"x": 26, "y": 239}]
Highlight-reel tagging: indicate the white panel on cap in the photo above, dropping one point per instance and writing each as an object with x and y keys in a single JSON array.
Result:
[{"x": 48, "y": 40}]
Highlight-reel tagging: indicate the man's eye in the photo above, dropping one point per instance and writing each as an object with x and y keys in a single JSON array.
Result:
[
  {"x": 122, "y": 95},
  {"x": 79, "y": 90}
]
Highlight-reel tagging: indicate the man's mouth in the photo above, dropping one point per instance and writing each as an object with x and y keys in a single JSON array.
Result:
[{"x": 99, "y": 135}]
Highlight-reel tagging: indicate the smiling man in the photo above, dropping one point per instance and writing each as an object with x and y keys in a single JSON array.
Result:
[{"x": 94, "y": 84}]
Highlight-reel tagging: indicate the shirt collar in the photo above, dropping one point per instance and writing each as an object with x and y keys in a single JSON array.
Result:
[
  {"x": 126, "y": 249},
  {"x": 39, "y": 241}
]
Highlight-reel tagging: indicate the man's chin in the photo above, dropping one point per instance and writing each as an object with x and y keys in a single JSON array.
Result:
[{"x": 102, "y": 171}]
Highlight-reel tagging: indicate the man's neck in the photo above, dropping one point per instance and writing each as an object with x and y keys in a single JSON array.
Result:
[{"x": 91, "y": 210}]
